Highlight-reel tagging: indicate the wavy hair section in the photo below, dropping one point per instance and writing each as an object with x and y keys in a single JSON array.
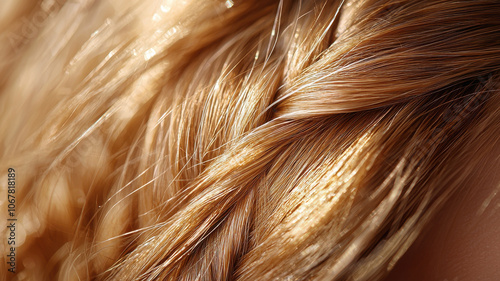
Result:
[{"x": 240, "y": 140}]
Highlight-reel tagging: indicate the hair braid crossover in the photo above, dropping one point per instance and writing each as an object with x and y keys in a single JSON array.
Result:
[{"x": 254, "y": 140}]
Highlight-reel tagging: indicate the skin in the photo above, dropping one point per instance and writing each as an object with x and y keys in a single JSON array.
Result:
[{"x": 463, "y": 240}]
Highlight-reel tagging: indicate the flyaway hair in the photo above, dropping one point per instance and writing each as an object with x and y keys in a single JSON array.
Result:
[{"x": 245, "y": 140}]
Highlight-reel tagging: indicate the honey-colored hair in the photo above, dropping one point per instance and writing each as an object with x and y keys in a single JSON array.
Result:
[{"x": 245, "y": 140}]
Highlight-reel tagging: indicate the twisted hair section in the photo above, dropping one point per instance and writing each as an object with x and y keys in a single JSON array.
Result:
[{"x": 245, "y": 140}]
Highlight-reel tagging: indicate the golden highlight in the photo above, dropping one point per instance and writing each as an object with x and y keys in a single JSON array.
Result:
[{"x": 245, "y": 140}]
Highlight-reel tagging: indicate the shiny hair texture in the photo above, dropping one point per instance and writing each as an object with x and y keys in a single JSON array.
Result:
[{"x": 238, "y": 140}]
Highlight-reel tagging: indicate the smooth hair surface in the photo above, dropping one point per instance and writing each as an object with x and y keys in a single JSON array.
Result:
[{"x": 239, "y": 140}]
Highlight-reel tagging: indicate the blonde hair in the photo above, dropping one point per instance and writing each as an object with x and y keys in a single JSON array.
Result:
[{"x": 245, "y": 140}]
